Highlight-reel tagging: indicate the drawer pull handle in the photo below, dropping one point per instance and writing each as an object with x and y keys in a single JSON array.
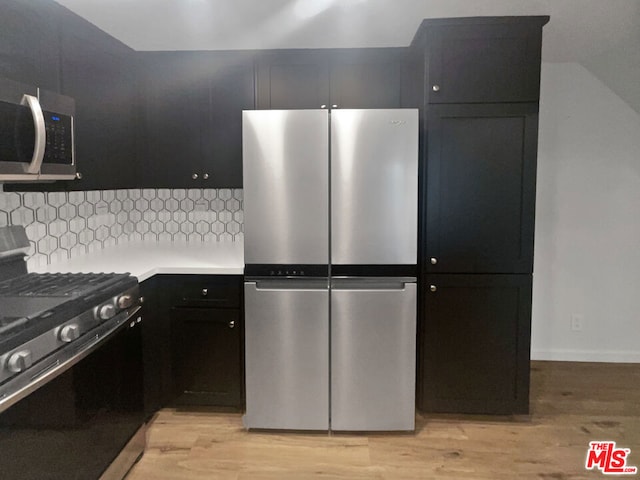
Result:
[
  {"x": 205, "y": 292},
  {"x": 232, "y": 324}
]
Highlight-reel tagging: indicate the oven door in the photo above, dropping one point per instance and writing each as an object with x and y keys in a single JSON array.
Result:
[{"x": 76, "y": 425}]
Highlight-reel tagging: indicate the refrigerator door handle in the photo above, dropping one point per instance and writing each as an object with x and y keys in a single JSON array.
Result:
[
  {"x": 371, "y": 283},
  {"x": 274, "y": 285}
]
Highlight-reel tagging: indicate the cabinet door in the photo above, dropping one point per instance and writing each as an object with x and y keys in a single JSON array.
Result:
[
  {"x": 480, "y": 188},
  {"x": 103, "y": 85},
  {"x": 484, "y": 63},
  {"x": 176, "y": 102},
  {"x": 29, "y": 44},
  {"x": 292, "y": 80},
  {"x": 231, "y": 90},
  {"x": 475, "y": 344},
  {"x": 368, "y": 78},
  {"x": 207, "y": 358}
]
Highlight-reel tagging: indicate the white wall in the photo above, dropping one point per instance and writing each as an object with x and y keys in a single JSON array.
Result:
[{"x": 587, "y": 254}]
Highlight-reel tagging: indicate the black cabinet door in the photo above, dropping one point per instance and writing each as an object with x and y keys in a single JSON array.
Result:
[
  {"x": 480, "y": 188},
  {"x": 475, "y": 344},
  {"x": 484, "y": 63},
  {"x": 29, "y": 43},
  {"x": 366, "y": 78},
  {"x": 104, "y": 87},
  {"x": 193, "y": 118},
  {"x": 207, "y": 358},
  {"x": 292, "y": 80},
  {"x": 231, "y": 90},
  {"x": 176, "y": 102}
]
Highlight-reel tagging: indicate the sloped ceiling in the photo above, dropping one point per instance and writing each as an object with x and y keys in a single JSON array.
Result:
[{"x": 603, "y": 35}]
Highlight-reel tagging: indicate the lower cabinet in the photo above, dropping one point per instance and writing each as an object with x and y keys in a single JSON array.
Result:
[
  {"x": 475, "y": 342},
  {"x": 206, "y": 349},
  {"x": 193, "y": 337}
]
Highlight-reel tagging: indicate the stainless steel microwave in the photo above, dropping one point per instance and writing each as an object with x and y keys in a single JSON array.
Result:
[{"x": 36, "y": 134}]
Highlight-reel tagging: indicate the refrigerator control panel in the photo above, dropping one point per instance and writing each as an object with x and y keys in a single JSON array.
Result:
[{"x": 264, "y": 270}]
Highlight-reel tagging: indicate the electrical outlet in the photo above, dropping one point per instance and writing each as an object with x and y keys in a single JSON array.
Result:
[{"x": 577, "y": 322}]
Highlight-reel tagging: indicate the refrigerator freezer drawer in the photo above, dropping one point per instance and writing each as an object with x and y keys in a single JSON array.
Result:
[
  {"x": 373, "y": 356},
  {"x": 287, "y": 355}
]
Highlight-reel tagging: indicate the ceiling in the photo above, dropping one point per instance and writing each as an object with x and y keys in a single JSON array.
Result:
[{"x": 585, "y": 31}]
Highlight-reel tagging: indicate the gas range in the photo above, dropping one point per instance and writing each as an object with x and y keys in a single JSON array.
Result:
[{"x": 49, "y": 321}]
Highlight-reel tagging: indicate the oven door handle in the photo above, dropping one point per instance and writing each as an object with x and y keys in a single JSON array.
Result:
[{"x": 41, "y": 133}]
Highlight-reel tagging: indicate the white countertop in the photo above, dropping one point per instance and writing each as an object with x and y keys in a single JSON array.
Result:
[{"x": 145, "y": 259}]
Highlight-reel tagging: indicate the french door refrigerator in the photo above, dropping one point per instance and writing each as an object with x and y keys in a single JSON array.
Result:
[{"x": 330, "y": 218}]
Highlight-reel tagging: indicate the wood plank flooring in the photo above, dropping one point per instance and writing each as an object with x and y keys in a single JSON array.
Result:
[{"x": 571, "y": 404}]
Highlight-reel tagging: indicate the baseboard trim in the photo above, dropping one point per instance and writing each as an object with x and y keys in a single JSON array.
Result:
[{"x": 587, "y": 356}]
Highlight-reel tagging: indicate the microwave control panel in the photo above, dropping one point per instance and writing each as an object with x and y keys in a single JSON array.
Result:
[{"x": 59, "y": 148}]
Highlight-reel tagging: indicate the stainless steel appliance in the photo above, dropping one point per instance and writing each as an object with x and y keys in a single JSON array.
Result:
[
  {"x": 330, "y": 215},
  {"x": 71, "y": 386},
  {"x": 36, "y": 134}
]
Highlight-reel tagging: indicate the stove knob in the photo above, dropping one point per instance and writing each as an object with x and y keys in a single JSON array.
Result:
[
  {"x": 125, "y": 301},
  {"x": 106, "y": 312},
  {"x": 69, "y": 333},
  {"x": 19, "y": 361}
]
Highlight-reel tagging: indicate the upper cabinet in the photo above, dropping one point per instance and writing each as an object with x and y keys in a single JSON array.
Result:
[
  {"x": 29, "y": 43},
  {"x": 469, "y": 61},
  {"x": 340, "y": 78},
  {"x": 292, "y": 79},
  {"x": 193, "y": 118},
  {"x": 103, "y": 84},
  {"x": 46, "y": 45}
]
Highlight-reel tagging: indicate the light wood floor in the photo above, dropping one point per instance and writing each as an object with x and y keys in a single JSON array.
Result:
[{"x": 571, "y": 404}]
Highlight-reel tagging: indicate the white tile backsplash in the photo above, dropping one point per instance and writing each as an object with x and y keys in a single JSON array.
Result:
[{"x": 68, "y": 224}]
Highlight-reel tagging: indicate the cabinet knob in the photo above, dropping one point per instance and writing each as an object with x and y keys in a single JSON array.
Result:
[
  {"x": 323, "y": 106},
  {"x": 205, "y": 292},
  {"x": 205, "y": 176},
  {"x": 436, "y": 88},
  {"x": 232, "y": 324},
  {"x": 334, "y": 106},
  {"x": 194, "y": 176},
  {"x": 78, "y": 176},
  {"x": 433, "y": 288},
  {"x": 434, "y": 260}
]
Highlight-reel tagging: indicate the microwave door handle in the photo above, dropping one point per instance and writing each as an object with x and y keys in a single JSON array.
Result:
[{"x": 41, "y": 134}]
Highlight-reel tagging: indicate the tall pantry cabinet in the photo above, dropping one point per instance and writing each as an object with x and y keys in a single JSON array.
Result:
[{"x": 480, "y": 81}]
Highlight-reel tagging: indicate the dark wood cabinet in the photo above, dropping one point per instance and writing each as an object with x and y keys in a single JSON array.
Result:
[
  {"x": 480, "y": 188},
  {"x": 292, "y": 79},
  {"x": 480, "y": 92},
  {"x": 206, "y": 346},
  {"x": 193, "y": 340},
  {"x": 475, "y": 344},
  {"x": 339, "y": 78},
  {"x": 156, "y": 346},
  {"x": 193, "y": 118},
  {"x": 483, "y": 61},
  {"x": 44, "y": 44},
  {"x": 29, "y": 43},
  {"x": 104, "y": 86}
]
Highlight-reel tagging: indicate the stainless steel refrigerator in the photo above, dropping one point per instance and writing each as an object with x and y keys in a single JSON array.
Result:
[{"x": 330, "y": 219}]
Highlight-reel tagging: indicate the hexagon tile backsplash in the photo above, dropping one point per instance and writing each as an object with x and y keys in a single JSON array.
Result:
[{"x": 63, "y": 225}]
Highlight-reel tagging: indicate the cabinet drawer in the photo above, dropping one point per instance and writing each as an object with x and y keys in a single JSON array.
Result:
[{"x": 213, "y": 292}]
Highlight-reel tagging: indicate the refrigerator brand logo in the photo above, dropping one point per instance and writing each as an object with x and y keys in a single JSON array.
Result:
[
  {"x": 397, "y": 123},
  {"x": 610, "y": 460}
]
